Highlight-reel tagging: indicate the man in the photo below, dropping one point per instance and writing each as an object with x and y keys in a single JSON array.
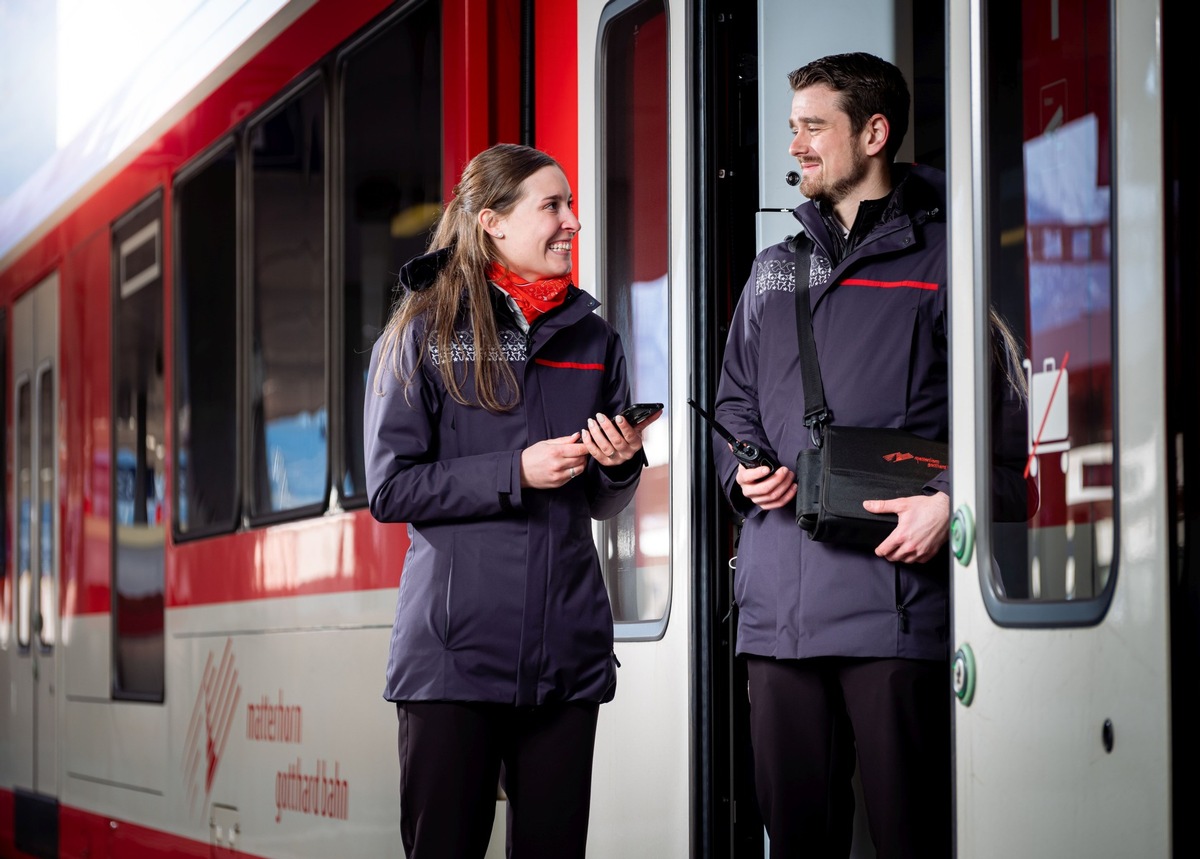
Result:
[{"x": 847, "y": 649}]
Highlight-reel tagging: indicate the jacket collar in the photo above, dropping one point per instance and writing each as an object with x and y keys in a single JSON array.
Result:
[
  {"x": 918, "y": 192},
  {"x": 918, "y": 198},
  {"x": 420, "y": 272}
]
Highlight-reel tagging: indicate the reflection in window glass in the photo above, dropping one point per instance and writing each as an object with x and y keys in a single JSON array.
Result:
[
  {"x": 47, "y": 605},
  {"x": 636, "y": 243},
  {"x": 288, "y": 450},
  {"x": 24, "y": 476},
  {"x": 138, "y": 455},
  {"x": 1049, "y": 197},
  {"x": 392, "y": 169},
  {"x": 206, "y": 349}
]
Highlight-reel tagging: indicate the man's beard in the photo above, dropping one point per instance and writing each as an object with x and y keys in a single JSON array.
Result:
[{"x": 839, "y": 190}]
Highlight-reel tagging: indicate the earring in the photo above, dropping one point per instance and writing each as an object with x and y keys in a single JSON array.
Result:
[{"x": 499, "y": 235}]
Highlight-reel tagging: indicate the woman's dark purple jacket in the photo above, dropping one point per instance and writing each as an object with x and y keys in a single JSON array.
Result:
[
  {"x": 501, "y": 597},
  {"x": 879, "y": 321}
]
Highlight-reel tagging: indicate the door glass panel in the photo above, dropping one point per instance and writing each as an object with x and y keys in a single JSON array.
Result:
[
  {"x": 24, "y": 476},
  {"x": 139, "y": 455},
  {"x": 636, "y": 234},
  {"x": 1049, "y": 184},
  {"x": 47, "y": 604}
]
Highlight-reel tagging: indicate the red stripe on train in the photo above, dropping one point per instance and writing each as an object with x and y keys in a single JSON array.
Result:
[{"x": 85, "y": 833}]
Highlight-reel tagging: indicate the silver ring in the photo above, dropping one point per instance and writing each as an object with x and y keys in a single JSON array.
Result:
[{"x": 572, "y": 471}]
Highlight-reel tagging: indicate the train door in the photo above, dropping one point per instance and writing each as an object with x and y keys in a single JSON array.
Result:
[
  {"x": 34, "y": 559},
  {"x": 1060, "y": 627},
  {"x": 910, "y": 34},
  {"x": 632, "y": 200}
]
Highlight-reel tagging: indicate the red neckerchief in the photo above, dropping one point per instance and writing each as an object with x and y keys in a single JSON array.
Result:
[{"x": 533, "y": 298}]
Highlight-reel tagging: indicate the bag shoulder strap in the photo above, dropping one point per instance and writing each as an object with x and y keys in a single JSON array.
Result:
[{"x": 816, "y": 413}]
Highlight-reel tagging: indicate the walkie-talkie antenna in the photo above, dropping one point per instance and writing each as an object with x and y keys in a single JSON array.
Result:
[
  {"x": 721, "y": 431},
  {"x": 747, "y": 453}
]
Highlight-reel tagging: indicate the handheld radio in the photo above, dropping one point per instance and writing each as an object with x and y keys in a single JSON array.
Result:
[{"x": 747, "y": 453}]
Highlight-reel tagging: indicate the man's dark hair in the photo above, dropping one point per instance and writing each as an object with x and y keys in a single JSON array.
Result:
[{"x": 866, "y": 85}]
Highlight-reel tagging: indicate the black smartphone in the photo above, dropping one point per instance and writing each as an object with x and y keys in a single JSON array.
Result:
[{"x": 639, "y": 412}]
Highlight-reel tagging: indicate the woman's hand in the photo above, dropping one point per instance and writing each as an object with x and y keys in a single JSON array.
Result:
[
  {"x": 613, "y": 442},
  {"x": 551, "y": 463}
]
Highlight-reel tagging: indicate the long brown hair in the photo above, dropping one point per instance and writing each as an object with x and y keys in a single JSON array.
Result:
[
  {"x": 494, "y": 179},
  {"x": 1007, "y": 353}
]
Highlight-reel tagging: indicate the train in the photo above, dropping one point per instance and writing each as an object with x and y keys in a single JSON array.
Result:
[{"x": 195, "y": 602}]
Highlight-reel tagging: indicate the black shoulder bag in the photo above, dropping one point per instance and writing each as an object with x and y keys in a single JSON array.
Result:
[{"x": 849, "y": 465}]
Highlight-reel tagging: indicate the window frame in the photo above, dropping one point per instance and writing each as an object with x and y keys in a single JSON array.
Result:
[
  {"x": 655, "y": 628},
  {"x": 1003, "y": 610}
]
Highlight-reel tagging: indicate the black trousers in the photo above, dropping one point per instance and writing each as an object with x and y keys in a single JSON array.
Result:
[
  {"x": 453, "y": 755},
  {"x": 808, "y": 717}
]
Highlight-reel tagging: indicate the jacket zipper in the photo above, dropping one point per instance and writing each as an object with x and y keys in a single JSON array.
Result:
[{"x": 901, "y": 611}]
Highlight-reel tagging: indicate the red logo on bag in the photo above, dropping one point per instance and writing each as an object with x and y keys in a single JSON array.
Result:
[{"x": 901, "y": 456}]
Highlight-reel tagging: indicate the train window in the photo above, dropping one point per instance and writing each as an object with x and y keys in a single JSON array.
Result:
[
  {"x": 24, "y": 480},
  {"x": 205, "y": 393},
  {"x": 287, "y": 445},
  {"x": 138, "y": 454},
  {"x": 635, "y": 235},
  {"x": 1050, "y": 276},
  {"x": 392, "y": 191}
]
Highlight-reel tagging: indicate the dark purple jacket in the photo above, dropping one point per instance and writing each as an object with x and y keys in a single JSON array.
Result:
[
  {"x": 879, "y": 322},
  {"x": 501, "y": 597}
]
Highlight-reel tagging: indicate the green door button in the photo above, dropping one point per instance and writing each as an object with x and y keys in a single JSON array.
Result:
[
  {"x": 962, "y": 674},
  {"x": 962, "y": 534}
]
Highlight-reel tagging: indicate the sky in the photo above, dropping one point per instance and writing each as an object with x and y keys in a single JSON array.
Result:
[{"x": 81, "y": 80}]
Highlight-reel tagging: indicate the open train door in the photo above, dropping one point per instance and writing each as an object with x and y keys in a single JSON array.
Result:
[{"x": 1061, "y": 673}]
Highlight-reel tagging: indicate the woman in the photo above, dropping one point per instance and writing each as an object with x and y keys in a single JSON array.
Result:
[{"x": 501, "y": 652}]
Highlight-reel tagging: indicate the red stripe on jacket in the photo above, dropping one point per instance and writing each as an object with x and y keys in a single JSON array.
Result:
[
  {"x": 567, "y": 365},
  {"x": 889, "y": 284}
]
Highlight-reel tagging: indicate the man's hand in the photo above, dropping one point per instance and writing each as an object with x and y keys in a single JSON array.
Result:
[
  {"x": 923, "y": 527},
  {"x": 766, "y": 489}
]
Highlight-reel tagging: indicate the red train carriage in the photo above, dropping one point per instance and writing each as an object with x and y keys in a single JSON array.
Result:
[
  {"x": 195, "y": 605},
  {"x": 195, "y": 599}
]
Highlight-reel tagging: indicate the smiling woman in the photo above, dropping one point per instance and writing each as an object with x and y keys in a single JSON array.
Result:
[
  {"x": 501, "y": 651},
  {"x": 533, "y": 241}
]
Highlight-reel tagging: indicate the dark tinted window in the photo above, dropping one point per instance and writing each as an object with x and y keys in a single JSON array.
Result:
[
  {"x": 391, "y": 88},
  {"x": 288, "y": 318},
  {"x": 206, "y": 349}
]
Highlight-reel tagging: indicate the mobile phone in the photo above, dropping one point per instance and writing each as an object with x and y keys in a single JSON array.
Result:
[
  {"x": 639, "y": 412},
  {"x": 747, "y": 453}
]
